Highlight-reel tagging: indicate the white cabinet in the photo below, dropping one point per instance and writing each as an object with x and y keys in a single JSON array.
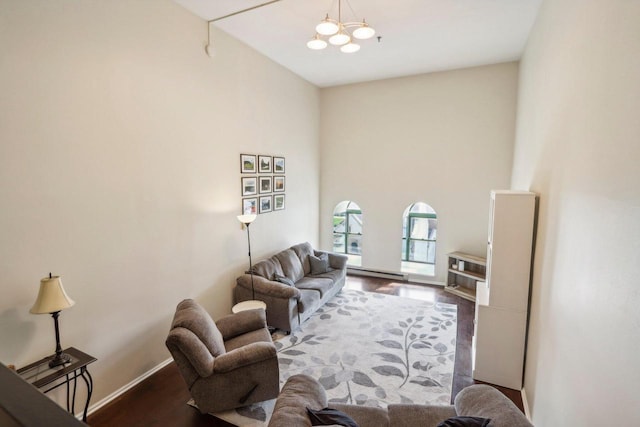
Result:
[{"x": 502, "y": 300}]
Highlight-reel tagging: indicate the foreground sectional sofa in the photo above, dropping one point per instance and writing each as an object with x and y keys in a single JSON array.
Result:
[
  {"x": 293, "y": 284},
  {"x": 301, "y": 392}
]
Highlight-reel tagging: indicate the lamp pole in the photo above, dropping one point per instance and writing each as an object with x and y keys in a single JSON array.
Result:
[{"x": 253, "y": 292}]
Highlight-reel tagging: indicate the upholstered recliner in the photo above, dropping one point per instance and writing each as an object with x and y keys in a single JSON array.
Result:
[{"x": 226, "y": 364}]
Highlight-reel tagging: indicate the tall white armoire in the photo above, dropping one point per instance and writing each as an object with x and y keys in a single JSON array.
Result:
[{"x": 502, "y": 302}]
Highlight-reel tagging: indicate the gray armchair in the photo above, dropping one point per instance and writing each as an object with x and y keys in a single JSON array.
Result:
[{"x": 226, "y": 364}]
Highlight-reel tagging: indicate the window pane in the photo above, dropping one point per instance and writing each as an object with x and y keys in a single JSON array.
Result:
[
  {"x": 404, "y": 249},
  {"x": 418, "y": 251},
  {"x": 419, "y": 228},
  {"x": 338, "y": 243},
  {"x": 338, "y": 223},
  {"x": 433, "y": 228},
  {"x": 354, "y": 244},
  {"x": 355, "y": 223},
  {"x": 431, "y": 253}
]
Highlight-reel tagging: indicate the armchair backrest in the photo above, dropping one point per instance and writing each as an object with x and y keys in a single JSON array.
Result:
[{"x": 194, "y": 341}]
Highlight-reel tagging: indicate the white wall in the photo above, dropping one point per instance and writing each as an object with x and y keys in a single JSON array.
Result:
[
  {"x": 577, "y": 146},
  {"x": 445, "y": 139},
  {"x": 119, "y": 170}
]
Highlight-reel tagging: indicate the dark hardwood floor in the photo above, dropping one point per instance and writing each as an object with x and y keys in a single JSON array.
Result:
[{"x": 160, "y": 400}]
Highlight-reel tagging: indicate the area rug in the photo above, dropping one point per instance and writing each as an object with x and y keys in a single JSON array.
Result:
[{"x": 369, "y": 349}]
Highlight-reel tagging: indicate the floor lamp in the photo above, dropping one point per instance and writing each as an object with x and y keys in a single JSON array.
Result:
[{"x": 247, "y": 220}]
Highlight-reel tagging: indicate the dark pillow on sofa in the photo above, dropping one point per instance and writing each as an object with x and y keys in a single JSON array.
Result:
[
  {"x": 319, "y": 264},
  {"x": 465, "y": 422},
  {"x": 330, "y": 417},
  {"x": 284, "y": 279}
]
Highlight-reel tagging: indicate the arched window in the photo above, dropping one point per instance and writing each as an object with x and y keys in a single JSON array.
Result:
[
  {"x": 347, "y": 231},
  {"x": 419, "y": 229}
]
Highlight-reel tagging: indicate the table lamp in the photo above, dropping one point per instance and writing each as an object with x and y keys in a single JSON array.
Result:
[{"x": 51, "y": 300}]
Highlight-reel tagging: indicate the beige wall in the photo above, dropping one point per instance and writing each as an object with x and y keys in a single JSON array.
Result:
[
  {"x": 577, "y": 146},
  {"x": 119, "y": 170},
  {"x": 444, "y": 138}
]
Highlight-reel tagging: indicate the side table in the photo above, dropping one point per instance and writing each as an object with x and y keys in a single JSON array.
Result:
[
  {"x": 248, "y": 305},
  {"x": 41, "y": 376}
]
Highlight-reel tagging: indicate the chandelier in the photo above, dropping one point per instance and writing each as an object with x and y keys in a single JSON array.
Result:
[{"x": 338, "y": 33}]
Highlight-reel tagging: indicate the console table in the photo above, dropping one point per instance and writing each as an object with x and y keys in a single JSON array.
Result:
[{"x": 41, "y": 376}]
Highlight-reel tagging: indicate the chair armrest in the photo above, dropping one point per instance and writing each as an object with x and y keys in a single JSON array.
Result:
[
  {"x": 243, "y": 356},
  {"x": 337, "y": 261},
  {"x": 240, "y": 323},
  {"x": 268, "y": 287},
  {"x": 233, "y": 325}
]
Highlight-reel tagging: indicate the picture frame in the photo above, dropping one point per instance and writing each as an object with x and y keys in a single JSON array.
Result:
[
  {"x": 250, "y": 206},
  {"x": 266, "y": 204},
  {"x": 248, "y": 163},
  {"x": 278, "y": 184},
  {"x": 278, "y": 164},
  {"x": 249, "y": 186},
  {"x": 264, "y": 164},
  {"x": 278, "y": 202},
  {"x": 265, "y": 184}
]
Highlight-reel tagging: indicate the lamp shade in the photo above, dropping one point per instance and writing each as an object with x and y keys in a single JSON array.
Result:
[
  {"x": 51, "y": 297},
  {"x": 247, "y": 219},
  {"x": 364, "y": 32}
]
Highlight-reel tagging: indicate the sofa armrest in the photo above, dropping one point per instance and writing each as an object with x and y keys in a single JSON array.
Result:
[
  {"x": 268, "y": 287},
  {"x": 337, "y": 261},
  {"x": 240, "y": 323},
  {"x": 246, "y": 355},
  {"x": 299, "y": 393},
  {"x": 480, "y": 400}
]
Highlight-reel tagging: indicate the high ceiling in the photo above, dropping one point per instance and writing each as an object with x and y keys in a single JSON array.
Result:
[{"x": 416, "y": 36}]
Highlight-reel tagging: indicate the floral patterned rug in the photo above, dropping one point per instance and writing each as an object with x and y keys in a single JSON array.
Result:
[{"x": 369, "y": 349}]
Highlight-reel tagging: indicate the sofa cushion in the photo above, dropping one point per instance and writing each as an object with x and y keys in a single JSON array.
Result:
[
  {"x": 322, "y": 285},
  {"x": 303, "y": 250},
  {"x": 291, "y": 265},
  {"x": 284, "y": 280},
  {"x": 268, "y": 268},
  {"x": 411, "y": 415},
  {"x": 333, "y": 275},
  {"x": 319, "y": 264},
  {"x": 309, "y": 300}
]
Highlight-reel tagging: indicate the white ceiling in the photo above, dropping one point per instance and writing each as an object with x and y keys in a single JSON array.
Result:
[{"x": 417, "y": 36}]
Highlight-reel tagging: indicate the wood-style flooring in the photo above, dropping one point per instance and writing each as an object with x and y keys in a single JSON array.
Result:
[{"x": 160, "y": 400}]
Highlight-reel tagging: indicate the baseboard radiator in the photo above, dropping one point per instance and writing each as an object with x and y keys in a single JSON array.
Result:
[{"x": 360, "y": 271}]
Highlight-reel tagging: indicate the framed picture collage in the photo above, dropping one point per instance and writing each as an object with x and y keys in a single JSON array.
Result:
[{"x": 263, "y": 183}]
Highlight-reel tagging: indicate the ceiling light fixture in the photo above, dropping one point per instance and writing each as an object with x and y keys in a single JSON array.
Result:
[{"x": 338, "y": 33}]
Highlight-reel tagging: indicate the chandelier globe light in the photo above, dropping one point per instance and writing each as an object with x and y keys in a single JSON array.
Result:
[
  {"x": 340, "y": 33},
  {"x": 316, "y": 43}
]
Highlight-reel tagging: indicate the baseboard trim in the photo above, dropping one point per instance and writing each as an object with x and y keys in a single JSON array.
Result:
[
  {"x": 105, "y": 401},
  {"x": 525, "y": 404}
]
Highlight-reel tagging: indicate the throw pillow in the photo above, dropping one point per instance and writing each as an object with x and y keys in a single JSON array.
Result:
[
  {"x": 465, "y": 422},
  {"x": 330, "y": 417},
  {"x": 284, "y": 279},
  {"x": 319, "y": 264}
]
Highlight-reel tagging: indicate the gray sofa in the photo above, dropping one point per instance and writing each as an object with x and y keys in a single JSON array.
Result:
[
  {"x": 301, "y": 392},
  {"x": 288, "y": 306}
]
